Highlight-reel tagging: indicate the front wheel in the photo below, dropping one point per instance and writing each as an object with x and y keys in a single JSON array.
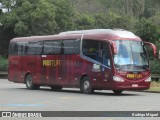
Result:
[
  {"x": 85, "y": 86},
  {"x": 117, "y": 92},
  {"x": 29, "y": 83}
]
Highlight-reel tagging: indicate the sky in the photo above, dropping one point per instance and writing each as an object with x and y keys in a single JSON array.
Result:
[{"x": 4, "y": 10}]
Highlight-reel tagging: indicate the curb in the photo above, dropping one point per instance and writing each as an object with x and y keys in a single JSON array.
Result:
[
  {"x": 147, "y": 91},
  {"x": 3, "y": 74}
]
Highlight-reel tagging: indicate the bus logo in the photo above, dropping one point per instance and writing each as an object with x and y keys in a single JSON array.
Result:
[{"x": 50, "y": 63}]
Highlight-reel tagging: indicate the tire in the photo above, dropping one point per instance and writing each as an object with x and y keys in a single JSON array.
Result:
[
  {"x": 29, "y": 83},
  {"x": 117, "y": 92},
  {"x": 56, "y": 88},
  {"x": 85, "y": 86}
]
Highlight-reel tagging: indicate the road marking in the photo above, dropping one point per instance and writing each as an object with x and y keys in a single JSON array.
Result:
[
  {"x": 9, "y": 84},
  {"x": 67, "y": 97},
  {"x": 43, "y": 102},
  {"x": 24, "y": 105}
]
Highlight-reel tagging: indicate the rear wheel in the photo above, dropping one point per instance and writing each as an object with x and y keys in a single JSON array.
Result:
[
  {"x": 117, "y": 92},
  {"x": 56, "y": 88},
  {"x": 29, "y": 83},
  {"x": 85, "y": 86}
]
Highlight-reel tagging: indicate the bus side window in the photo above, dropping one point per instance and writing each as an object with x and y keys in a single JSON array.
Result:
[
  {"x": 13, "y": 49},
  {"x": 77, "y": 46},
  {"x": 33, "y": 48},
  {"x": 71, "y": 46},
  {"x": 52, "y": 47},
  {"x": 92, "y": 49},
  {"x": 106, "y": 58},
  {"x": 68, "y": 46},
  {"x": 16, "y": 49},
  {"x": 105, "y": 55}
]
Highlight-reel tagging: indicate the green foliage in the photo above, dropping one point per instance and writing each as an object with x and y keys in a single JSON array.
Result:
[
  {"x": 84, "y": 21},
  {"x": 147, "y": 30},
  {"x": 35, "y": 19},
  {"x": 155, "y": 66},
  {"x": 44, "y": 17},
  {"x": 116, "y": 21},
  {"x": 64, "y": 15},
  {"x": 3, "y": 64}
]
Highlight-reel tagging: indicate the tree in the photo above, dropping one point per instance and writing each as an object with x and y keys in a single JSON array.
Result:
[
  {"x": 64, "y": 15},
  {"x": 84, "y": 21},
  {"x": 28, "y": 17},
  {"x": 8, "y": 4},
  {"x": 35, "y": 19},
  {"x": 147, "y": 30},
  {"x": 101, "y": 20},
  {"x": 155, "y": 64},
  {"x": 117, "y": 21}
]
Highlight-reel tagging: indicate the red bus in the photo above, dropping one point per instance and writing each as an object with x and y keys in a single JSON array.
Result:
[{"x": 97, "y": 59}]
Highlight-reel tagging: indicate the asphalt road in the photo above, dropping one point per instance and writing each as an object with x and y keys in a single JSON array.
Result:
[{"x": 15, "y": 97}]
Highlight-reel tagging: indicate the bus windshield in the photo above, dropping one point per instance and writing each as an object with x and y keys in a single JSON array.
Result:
[{"x": 131, "y": 55}]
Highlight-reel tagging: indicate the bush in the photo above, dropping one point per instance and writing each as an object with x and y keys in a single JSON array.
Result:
[
  {"x": 155, "y": 66},
  {"x": 3, "y": 64}
]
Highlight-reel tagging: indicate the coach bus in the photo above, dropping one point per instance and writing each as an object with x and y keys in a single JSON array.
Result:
[{"x": 97, "y": 59}]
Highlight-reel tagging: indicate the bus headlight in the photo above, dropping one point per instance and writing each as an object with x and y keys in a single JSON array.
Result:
[
  {"x": 148, "y": 79},
  {"x": 118, "y": 79}
]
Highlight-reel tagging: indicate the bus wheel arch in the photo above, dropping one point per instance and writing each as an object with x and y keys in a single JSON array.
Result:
[
  {"x": 29, "y": 82},
  {"x": 26, "y": 76},
  {"x": 85, "y": 85}
]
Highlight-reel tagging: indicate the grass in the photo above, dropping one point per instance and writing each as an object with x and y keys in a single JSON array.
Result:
[
  {"x": 3, "y": 64},
  {"x": 155, "y": 86}
]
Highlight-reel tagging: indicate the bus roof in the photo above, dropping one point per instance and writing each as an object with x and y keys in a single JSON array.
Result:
[
  {"x": 47, "y": 37},
  {"x": 110, "y": 34},
  {"x": 115, "y": 32}
]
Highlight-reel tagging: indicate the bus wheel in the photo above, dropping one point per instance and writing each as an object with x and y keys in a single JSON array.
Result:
[
  {"x": 86, "y": 86},
  {"x": 56, "y": 88},
  {"x": 117, "y": 92},
  {"x": 29, "y": 83}
]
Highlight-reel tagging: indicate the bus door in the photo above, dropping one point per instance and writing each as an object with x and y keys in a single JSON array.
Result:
[
  {"x": 105, "y": 67},
  {"x": 98, "y": 53}
]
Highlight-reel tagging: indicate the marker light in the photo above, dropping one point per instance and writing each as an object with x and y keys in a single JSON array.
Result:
[
  {"x": 148, "y": 79},
  {"x": 118, "y": 79}
]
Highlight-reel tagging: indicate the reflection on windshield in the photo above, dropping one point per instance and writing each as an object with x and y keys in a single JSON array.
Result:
[{"x": 130, "y": 53}]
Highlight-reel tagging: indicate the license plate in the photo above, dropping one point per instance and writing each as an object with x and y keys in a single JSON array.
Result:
[
  {"x": 132, "y": 76},
  {"x": 134, "y": 85}
]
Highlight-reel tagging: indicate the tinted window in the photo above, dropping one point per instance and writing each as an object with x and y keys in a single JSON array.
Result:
[
  {"x": 91, "y": 48},
  {"x": 61, "y": 47},
  {"x": 17, "y": 48},
  {"x": 34, "y": 48},
  {"x": 13, "y": 49},
  {"x": 77, "y": 46},
  {"x": 68, "y": 46},
  {"x": 96, "y": 50},
  {"x": 52, "y": 47},
  {"x": 71, "y": 46}
]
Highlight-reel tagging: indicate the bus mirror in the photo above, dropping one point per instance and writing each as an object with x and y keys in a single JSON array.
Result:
[
  {"x": 114, "y": 48},
  {"x": 152, "y": 46}
]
